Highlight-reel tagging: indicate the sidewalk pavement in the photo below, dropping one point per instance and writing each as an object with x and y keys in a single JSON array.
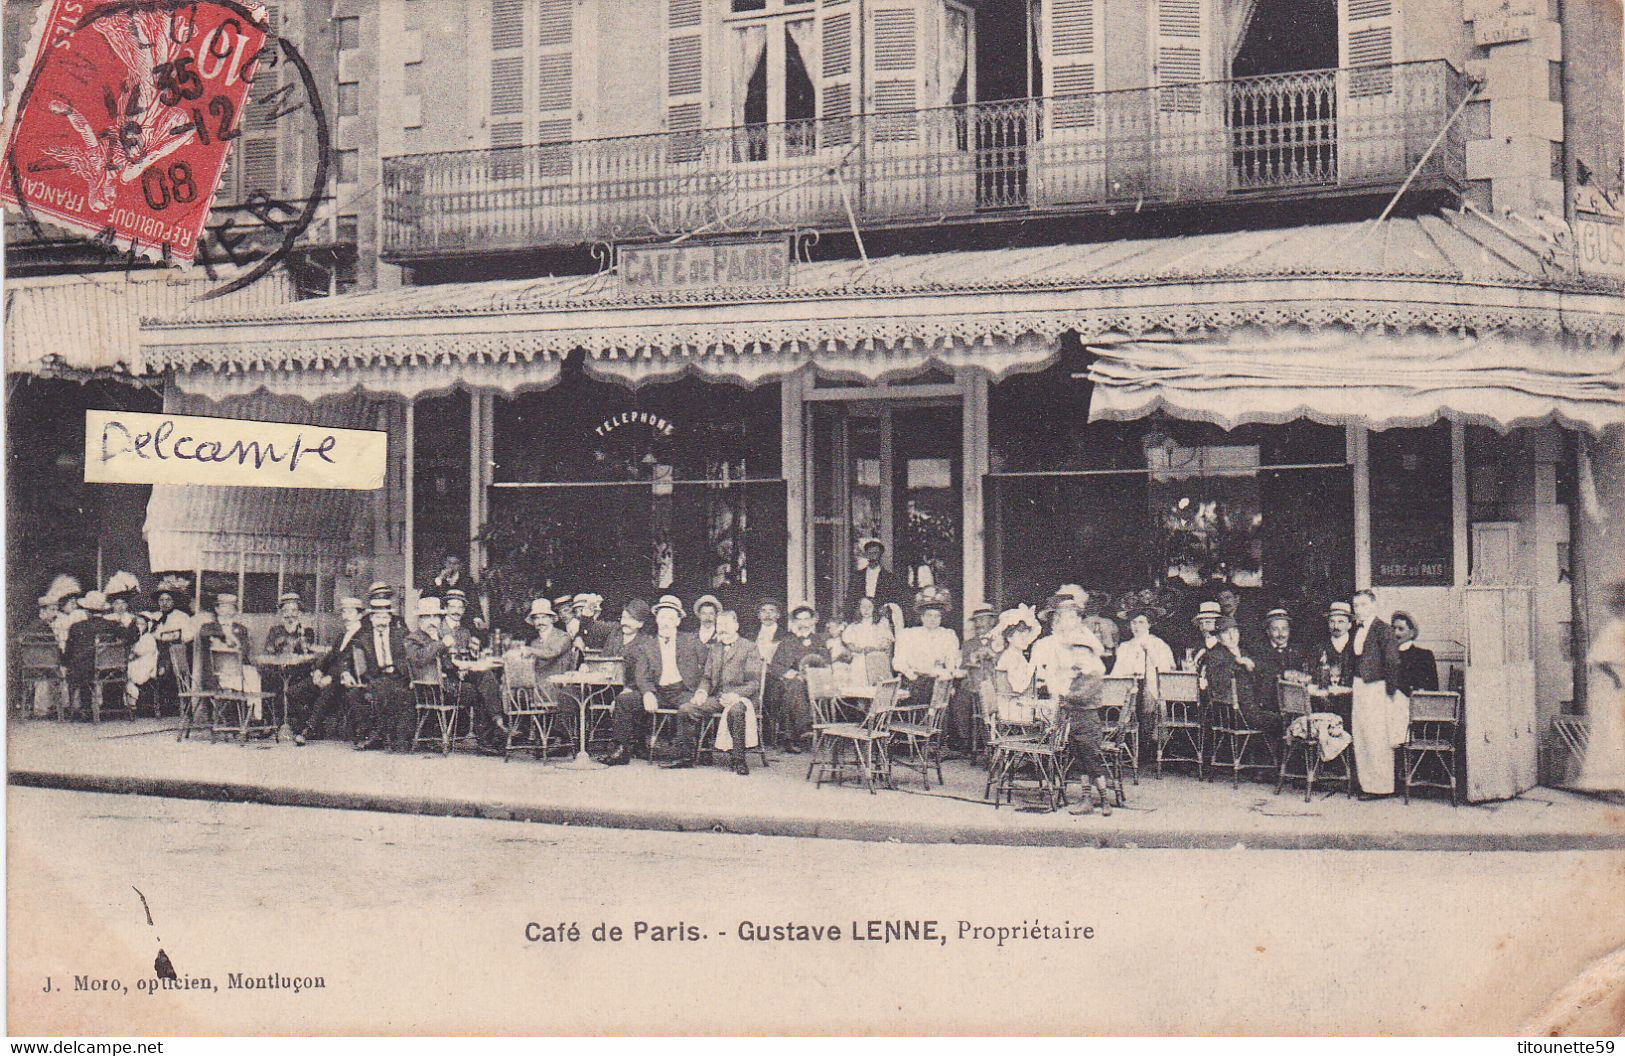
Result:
[{"x": 144, "y": 757}]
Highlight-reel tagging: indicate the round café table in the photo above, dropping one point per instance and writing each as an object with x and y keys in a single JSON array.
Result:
[
  {"x": 590, "y": 686},
  {"x": 286, "y": 665}
]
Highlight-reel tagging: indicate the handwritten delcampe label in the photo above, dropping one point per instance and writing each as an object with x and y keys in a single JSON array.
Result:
[{"x": 132, "y": 448}]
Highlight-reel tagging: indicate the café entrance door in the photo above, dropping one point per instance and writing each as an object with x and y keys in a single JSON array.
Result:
[{"x": 887, "y": 470}]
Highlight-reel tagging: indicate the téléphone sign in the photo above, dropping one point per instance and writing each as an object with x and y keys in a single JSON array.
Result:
[{"x": 134, "y": 448}]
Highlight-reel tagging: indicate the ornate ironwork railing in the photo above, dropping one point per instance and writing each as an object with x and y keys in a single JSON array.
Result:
[{"x": 1289, "y": 134}]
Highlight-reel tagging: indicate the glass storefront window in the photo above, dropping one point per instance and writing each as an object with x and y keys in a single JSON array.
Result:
[
  {"x": 1179, "y": 509},
  {"x": 1412, "y": 541},
  {"x": 671, "y": 488}
]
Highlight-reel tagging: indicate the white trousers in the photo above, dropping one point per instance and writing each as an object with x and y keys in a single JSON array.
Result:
[{"x": 1380, "y": 719}]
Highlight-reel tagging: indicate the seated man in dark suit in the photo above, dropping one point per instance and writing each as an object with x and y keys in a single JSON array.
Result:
[
  {"x": 388, "y": 696},
  {"x": 785, "y": 682},
  {"x": 729, "y": 686},
  {"x": 1276, "y": 657},
  {"x": 337, "y": 678},
  {"x": 662, "y": 670}
]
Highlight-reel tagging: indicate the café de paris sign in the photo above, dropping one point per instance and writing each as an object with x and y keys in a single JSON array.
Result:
[{"x": 759, "y": 263}]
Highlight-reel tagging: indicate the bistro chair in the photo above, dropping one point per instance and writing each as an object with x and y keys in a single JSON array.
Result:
[
  {"x": 919, "y": 736},
  {"x": 867, "y": 739},
  {"x": 824, "y": 699},
  {"x": 185, "y": 661},
  {"x": 1120, "y": 727},
  {"x": 1296, "y": 704},
  {"x": 1043, "y": 757},
  {"x": 233, "y": 709},
  {"x": 434, "y": 706},
  {"x": 611, "y": 670},
  {"x": 38, "y": 663},
  {"x": 531, "y": 710},
  {"x": 1179, "y": 719},
  {"x": 110, "y": 671},
  {"x": 1121, "y": 693},
  {"x": 1236, "y": 737},
  {"x": 1435, "y": 718},
  {"x": 877, "y": 666}
]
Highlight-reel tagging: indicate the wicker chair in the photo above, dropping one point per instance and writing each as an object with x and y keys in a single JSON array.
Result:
[
  {"x": 434, "y": 707},
  {"x": 1295, "y": 704},
  {"x": 1121, "y": 694},
  {"x": 917, "y": 733},
  {"x": 1236, "y": 738},
  {"x": 1179, "y": 719},
  {"x": 1044, "y": 757},
  {"x": 868, "y": 740},
  {"x": 37, "y": 662},
  {"x": 1435, "y": 719},
  {"x": 531, "y": 710}
]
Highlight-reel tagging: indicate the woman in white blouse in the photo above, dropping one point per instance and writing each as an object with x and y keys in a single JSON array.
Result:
[
  {"x": 927, "y": 652},
  {"x": 869, "y": 631}
]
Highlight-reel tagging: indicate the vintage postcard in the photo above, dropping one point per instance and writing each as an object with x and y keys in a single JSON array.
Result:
[{"x": 766, "y": 517}]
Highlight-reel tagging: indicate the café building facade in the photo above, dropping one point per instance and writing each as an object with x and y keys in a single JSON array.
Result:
[
  {"x": 1147, "y": 296},
  {"x": 1419, "y": 406}
]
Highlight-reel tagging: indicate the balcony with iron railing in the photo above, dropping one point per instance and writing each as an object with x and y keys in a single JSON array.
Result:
[{"x": 1285, "y": 136}]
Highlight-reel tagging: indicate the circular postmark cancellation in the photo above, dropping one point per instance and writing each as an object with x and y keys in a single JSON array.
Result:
[{"x": 126, "y": 116}]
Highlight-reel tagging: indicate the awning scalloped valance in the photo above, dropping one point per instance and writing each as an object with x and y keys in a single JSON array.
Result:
[{"x": 1254, "y": 377}]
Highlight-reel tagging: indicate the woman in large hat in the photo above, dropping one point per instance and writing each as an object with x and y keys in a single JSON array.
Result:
[{"x": 927, "y": 652}]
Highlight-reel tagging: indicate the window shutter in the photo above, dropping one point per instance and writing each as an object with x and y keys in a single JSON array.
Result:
[
  {"x": 836, "y": 66},
  {"x": 1370, "y": 31},
  {"x": 1182, "y": 51},
  {"x": 1072, "y": 64},
  {"x": 685, "y": 78},
  {"x": 258, "y": 149},
  {"x": 894, "y": 61},
  {"x": 507, "y": 80}
]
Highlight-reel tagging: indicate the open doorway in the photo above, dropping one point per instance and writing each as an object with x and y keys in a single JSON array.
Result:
[
  {"x": 1006, "y": 76},
  {"x": 1283, "y": 96}
]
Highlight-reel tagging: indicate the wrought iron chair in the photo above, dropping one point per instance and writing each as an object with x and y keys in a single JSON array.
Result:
[
  {"x": 1236, "y": 737},
  {"x": 1296, "y": 704},
  {"x": 38, "y": 663},
  {"x": 1121, "y": 693},
  {"x": 433, "y": 705},
  {"x": 868, "y": 740},
  {"x": 1179, "y": 719},
  {"x": 1435, "y": 718},
  {"x": 917, "y": 732},
  {"x": 110, "y": 671},
  {"x": 1043, "y": 756},
  {"x": 530, "y": 708}
]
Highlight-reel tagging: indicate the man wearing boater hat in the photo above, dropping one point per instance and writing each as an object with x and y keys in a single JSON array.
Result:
[
  {"x": 1206, "y": 622},
  {"x": 383, "y": 650},
  {"x": 337, "y": 677},
  {"x": 662, "y": 670},
  {"x": 1278, "y": 656}
]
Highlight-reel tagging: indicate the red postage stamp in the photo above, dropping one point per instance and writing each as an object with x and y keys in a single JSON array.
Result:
[{"x": 123, "y": 114}]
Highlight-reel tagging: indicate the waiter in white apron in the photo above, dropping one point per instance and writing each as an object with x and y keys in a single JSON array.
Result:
[{"x": 1380, "y": 715}]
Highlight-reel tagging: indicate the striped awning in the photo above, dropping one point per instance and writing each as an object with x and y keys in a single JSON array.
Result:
[
  {"x": 1382, "y": 381},
  {"x": 289, "y": 530},
  {"x": 92, "y": 321}
]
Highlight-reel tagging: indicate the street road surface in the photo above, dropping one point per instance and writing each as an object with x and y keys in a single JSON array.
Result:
[{"x": 414, "y": 924}]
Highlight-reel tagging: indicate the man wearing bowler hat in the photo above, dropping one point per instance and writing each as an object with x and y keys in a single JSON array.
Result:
[
  {"x": 662, "y": 670},
  {"x": 872, "y": 579}
]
